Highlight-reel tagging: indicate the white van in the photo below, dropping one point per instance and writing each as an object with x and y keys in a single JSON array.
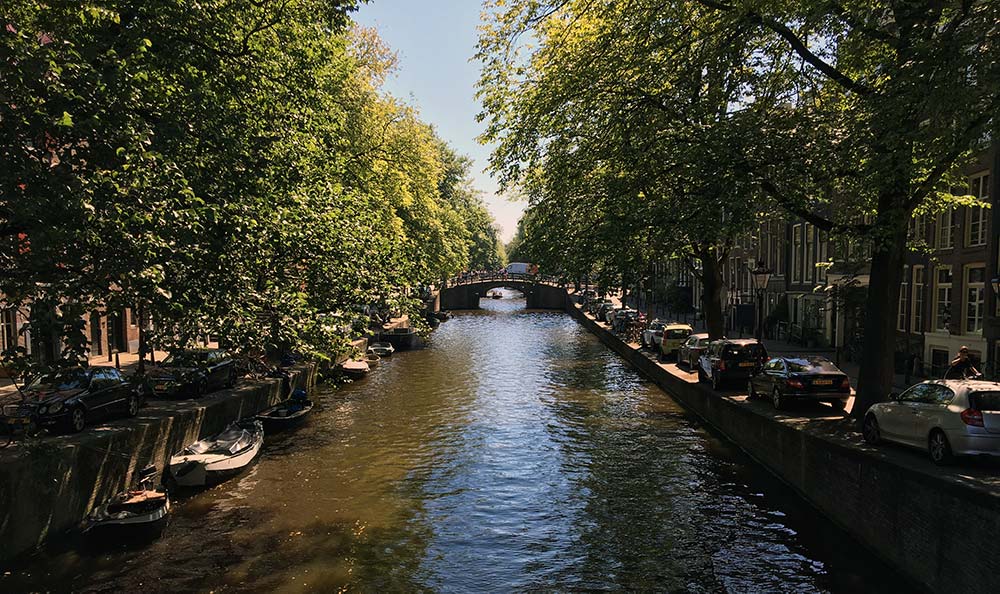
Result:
[{"x": 518, "y": 268}]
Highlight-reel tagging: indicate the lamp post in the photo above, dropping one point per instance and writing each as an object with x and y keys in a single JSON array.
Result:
[{"x": 760, "y": 275}]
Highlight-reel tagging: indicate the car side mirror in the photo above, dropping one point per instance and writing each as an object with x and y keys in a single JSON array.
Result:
[{"x": 894, "y": 396}]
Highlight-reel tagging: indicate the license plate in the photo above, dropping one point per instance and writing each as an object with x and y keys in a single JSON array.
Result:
[
  {"x": 18, "y": 421},
  {"x": 160, "y": 387},
  {"x": 746, "y": 364},
  {"x": 823, "y": 382}
]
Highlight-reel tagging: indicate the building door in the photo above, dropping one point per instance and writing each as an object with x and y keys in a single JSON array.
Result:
[{"x": 96, "y": 344}]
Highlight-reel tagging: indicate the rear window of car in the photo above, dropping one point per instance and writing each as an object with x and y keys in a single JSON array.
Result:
[
  {"x": 811, "y": 366},
  {"x": 986, "y": 400},
  {"x": 747, "y": 351},
  {"x": 678, "y": 333}
]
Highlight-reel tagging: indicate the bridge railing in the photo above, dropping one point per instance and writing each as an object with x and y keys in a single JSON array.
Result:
[{"x": 469, "y": 279}]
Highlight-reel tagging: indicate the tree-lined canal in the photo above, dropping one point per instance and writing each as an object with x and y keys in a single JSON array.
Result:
[{"x": 514, "y": 453}]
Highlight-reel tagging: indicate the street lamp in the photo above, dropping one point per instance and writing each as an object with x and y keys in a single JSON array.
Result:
[{"x": 760, "y": 275}]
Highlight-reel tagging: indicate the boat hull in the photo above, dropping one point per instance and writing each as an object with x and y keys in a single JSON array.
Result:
[
  {"x": 194, "y": 471},
  {"x": 274, "y": 424}
]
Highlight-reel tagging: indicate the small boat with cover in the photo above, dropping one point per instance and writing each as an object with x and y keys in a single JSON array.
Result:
[
  {"x": 218, "y": 457},
  {"x": 355, "y": 369},
  {"x": 142, "y": 509},
  {"x": 286, "y": 413},
  {"x": 382, "y": 349}
]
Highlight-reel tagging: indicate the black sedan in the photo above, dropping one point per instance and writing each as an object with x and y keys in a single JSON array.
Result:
[
  {"x": 193, "y": 373},
  {"x": 784, "y": 379},
  {"x": 72, "y": 398}
]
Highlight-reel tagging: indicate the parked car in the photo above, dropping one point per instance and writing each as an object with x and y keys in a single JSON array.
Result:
[
  {"x": 947, "y": 418},
  {"x": 609, "y": 313},
  {"x": 622, "y": 317},
  {"x": 784, "y": 379},
  {"x": 653, "y": 334},
  {"x": 586, "y": 296},
  {"x": 690, "y": 351},
  {"x": 602, "y": 309},
  {"x": 674, "y": 335},
  {"x": 731, "y": 359},
  {"x": 70, "y": 399},
  {"x": 594, "y": 304},
  {"x": 193, "y": 373}
]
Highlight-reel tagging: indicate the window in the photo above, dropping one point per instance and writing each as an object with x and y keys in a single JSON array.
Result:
[
  {"x": 810, "y": 253},
  {"x": 942, "y": 298},
  {"x": 8, "y": 329},
  {"x": 975, "y": 282},
  {"x": 945, "y": 233},
  {"x": 797, "y": 253},
  {"x": 918, "y": 299},
  {"x": 824, "y": 243},
  {"x": 904, "y": 291},
  {"x": 976, "y": 223}
]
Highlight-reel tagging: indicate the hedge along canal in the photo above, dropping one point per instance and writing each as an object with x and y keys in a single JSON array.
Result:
[
  {"x": 49, "y": 486},
  {"x": 939, "y": 528}
]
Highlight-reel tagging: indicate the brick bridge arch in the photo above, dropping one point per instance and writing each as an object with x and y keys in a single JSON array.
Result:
[{"x": 538, "y": 295}]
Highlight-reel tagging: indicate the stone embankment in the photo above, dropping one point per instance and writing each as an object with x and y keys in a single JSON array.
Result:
[
  {"x": 49, "y": 485},
  {"x": 938, "y": 526}
]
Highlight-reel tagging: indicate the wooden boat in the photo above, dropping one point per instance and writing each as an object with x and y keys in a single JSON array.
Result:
[
  {"x": 218, "y": 457},
  {"x": 372, "y": 360},
  {"x": 495, "y": 295},
  {"x": 401, "y": 338},
  {"x": 355, "y": 369},
  {"x": 141, "y": 510},
  {"x": 287, "y": 413},
  {"x": 382, "y": 349}
]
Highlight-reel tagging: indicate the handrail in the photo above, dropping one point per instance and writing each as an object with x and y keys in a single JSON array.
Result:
[{"x": 472, "y": 279}]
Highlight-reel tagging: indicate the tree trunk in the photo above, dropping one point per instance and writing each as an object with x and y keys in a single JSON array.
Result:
[
  {"x": 712, "y": 298},
  {"x": 882, "y": 301}
]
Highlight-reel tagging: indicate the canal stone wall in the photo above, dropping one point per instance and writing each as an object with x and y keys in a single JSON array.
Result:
[
  {"x": 49, "y": 486},
  {"x": 941, "y": 531},
  {"x": 536, "y": 295}
]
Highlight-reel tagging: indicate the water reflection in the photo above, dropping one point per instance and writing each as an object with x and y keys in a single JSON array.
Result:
[{"x": 514, "y": 453}]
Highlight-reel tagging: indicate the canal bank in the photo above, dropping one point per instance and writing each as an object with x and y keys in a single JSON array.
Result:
[
  {"x": 49, "y": 486},
  {"x": 937, "y": 526}
]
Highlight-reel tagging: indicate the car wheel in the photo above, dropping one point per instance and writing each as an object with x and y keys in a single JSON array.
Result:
[
  {"x": 701, "y": 374},
  {"x": 232, "y": 379},
  {"x": 751, "y": 394},
  {"x": 939, "y": 448},
  {"x": 132, "y": 405},
  {"x": 778, "y": 400},
  {"x": 659, "y": 356},
  {"x": 870, "y": 430},
  {"x": 716, "y": 381},
  {"x": 77, "y": 419},
  {"x": 202, "y": 388},
  {"x": 840, "y": 403}
]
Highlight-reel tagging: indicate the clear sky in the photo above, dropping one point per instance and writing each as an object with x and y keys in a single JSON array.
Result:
[{"x": 435, "y": 41}]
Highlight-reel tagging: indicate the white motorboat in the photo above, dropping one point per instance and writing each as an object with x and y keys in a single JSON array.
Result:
[
  {"x": 382, "y": 349},
  {"x": 218, "y": 457},
  {"x": 143, "y": 508}
]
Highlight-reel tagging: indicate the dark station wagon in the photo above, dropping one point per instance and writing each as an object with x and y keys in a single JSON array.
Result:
[{"x": 730, "y": 360}]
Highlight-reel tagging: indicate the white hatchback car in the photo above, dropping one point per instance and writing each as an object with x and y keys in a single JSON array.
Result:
[{"x": 947, "y": 417}]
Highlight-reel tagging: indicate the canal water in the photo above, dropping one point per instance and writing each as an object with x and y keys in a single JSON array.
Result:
[{"x": 514, "y": 453}]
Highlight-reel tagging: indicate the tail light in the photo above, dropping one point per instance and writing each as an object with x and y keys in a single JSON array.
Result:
[
  {"x": 794, "y": 383},
  {"x": 972, "y": 417},
  {"x": 722, "y": 364},
  {"x": 845, "y": 384}
]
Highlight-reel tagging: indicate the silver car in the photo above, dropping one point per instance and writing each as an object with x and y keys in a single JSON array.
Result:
[
  {"x": 653, "y": 334},
  {"x": 947, "y": 417}
]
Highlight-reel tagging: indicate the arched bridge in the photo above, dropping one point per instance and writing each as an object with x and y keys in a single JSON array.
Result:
[{"x": 540, "y": 292}]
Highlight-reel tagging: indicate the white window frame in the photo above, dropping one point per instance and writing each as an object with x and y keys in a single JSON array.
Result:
[
  {"x": 797, "y": 254},
  {"x": 904, "y": 293},
  {"x": 940, "y": 325},
  {"x": 944, "y": 233},
  {"x": 810, "y": 275},
  {"x": 917, "y": 313},
  {"x": 974, "y": 309}
]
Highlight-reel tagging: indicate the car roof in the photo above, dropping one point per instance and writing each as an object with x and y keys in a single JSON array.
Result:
[
  {"x": 679, "y": 325},
  {"x": 971, "y": 385},
  {"x": 740, "y": 341}
]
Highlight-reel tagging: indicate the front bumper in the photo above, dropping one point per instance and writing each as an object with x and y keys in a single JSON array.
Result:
[
  {"x": 172, "y": 389},
  {"x": 819, "y": 396}
]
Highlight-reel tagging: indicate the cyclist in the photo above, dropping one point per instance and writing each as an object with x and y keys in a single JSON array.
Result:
[{"x": 962, "y": 366}]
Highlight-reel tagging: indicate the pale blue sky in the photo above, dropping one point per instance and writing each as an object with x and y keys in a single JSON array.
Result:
[{"x": 435, "y": 41}]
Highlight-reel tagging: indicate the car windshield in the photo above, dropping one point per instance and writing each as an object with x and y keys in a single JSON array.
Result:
[
  {"x": 678, "y": 333},
  {"x": 989, "y": 401},
  {"x": 656, "y": 326},
  {"x": 69, "y": 379},
  {"x": 811, "y": 366},
  {"x": 186, "y": 359},
  {"x": 744, "y": 351}
]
